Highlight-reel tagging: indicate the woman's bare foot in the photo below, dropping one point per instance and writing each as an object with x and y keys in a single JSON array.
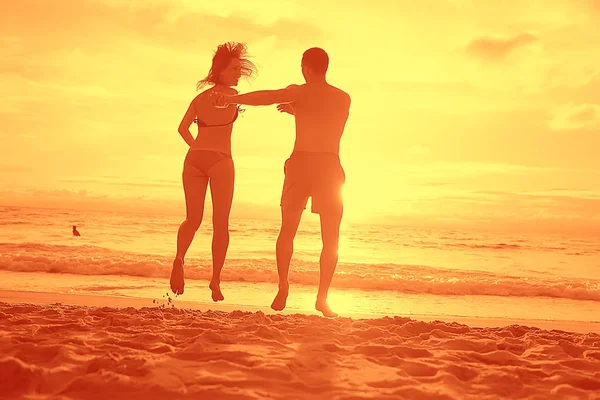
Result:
[
  {"x": 215, "y": 287},
  {"x": 321, "y": 305},
  {"x": 280, "y": 300},
  {"x": 177, "y": 280}
]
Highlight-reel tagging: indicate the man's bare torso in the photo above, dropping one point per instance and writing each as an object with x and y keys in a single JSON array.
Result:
[{"x": 321, "y": 112}]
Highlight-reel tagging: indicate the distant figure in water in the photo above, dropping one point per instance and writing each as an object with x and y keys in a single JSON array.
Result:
[
  {"x": 209, "y": 161},
  {"x": 75, "y": 231},
  {"x": 313, "y": 169}
]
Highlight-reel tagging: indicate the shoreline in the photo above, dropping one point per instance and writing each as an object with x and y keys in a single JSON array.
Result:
[{"x": 16, "y": 297}]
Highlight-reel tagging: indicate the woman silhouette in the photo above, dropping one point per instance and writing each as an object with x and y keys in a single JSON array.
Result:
[{"x": 209, "y": 161}]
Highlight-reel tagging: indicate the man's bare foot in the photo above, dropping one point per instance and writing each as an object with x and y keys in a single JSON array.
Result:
[
  {"x": 215, "y": 287},
  {"x": 177, "y": 280},
  {"x": 321, "y": 305},
  {"x": 280, "y": 300}
]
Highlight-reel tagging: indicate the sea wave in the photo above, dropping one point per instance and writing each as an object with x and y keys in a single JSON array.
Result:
[{"x": 92, "y": 260}]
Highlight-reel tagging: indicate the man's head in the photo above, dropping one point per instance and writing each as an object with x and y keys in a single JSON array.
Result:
[{"x": 314, "y": 63}]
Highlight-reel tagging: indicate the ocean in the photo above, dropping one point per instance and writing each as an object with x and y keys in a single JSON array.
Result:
[{"x": 391, "y": 270}]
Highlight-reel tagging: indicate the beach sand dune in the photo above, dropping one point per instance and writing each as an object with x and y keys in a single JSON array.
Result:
[{"x": 76, "y": 352}]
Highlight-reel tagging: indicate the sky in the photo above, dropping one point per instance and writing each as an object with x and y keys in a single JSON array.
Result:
[{"x": 464, "y": 113}]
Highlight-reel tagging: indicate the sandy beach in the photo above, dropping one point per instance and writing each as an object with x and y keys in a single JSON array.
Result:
[
  {"x": 94, "y": 320},
  {"x": 54, "y": 349},
  {"x": 426, "y": 170}
]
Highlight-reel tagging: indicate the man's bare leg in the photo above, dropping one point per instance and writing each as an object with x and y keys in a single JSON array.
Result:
[
  {"x": 290, "y": 220},
  {"x": 330, "y": 235}
]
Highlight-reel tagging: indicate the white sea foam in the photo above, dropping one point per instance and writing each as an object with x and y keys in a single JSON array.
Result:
[{"x": 90, "y": 260}]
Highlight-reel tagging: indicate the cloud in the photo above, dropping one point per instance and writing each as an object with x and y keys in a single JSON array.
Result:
[
  {"x": 575, "y": 116},
  {"x": 566, "y": 206},
  {"x": 84, "y": 199},
  {"x": 418, "y": 149},
  {"x": 594, "y": 5},
  {"x": 155, "y": 184},
  {"x": 435, "y": 184},
  {"x": 505, "y": 210},
  {"x": 15, "y": 169},
  {"x": 573, "y": 193},
  {"x": 498, "y": 49},
  {"x": 85, "y": 50},
  {"x": 31, "y": 25}
]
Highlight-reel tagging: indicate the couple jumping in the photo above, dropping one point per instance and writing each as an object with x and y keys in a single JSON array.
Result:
[{"x": 313, "y": 169}]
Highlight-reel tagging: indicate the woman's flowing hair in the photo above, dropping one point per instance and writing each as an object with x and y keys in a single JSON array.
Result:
[{"x": 221, "y": 59}]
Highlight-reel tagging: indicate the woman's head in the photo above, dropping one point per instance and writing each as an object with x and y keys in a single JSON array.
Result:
[{"x": 228, "y": 64}]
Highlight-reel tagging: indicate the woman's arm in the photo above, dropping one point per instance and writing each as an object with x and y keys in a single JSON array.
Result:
[{"x": 186, "y": 122}]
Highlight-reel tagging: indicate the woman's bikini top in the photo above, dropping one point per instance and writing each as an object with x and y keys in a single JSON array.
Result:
[{"x": 202, "y": 124}]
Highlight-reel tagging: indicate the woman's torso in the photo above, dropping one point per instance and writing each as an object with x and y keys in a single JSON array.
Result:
[{"x": 214, "y": 125}]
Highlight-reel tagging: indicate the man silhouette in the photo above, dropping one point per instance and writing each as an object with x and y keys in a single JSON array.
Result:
[{"x": 313, "y": 169}]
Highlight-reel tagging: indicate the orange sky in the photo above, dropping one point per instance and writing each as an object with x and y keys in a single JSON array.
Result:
[{"x": 464, "y": 112}]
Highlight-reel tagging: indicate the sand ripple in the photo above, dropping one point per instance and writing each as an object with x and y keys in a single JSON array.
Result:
[{"x": 70, "y": 352}]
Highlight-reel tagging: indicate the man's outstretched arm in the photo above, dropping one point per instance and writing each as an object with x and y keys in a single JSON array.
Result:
[{"x": 265, "y": 97}]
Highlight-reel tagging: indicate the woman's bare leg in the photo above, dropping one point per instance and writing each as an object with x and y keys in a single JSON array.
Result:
[
  {"x": 222, "y": 180},
  {"x": 194, "y": 187}
]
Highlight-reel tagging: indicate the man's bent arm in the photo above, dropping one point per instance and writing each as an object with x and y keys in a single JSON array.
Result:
[{"x": 265, "y": 97}]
